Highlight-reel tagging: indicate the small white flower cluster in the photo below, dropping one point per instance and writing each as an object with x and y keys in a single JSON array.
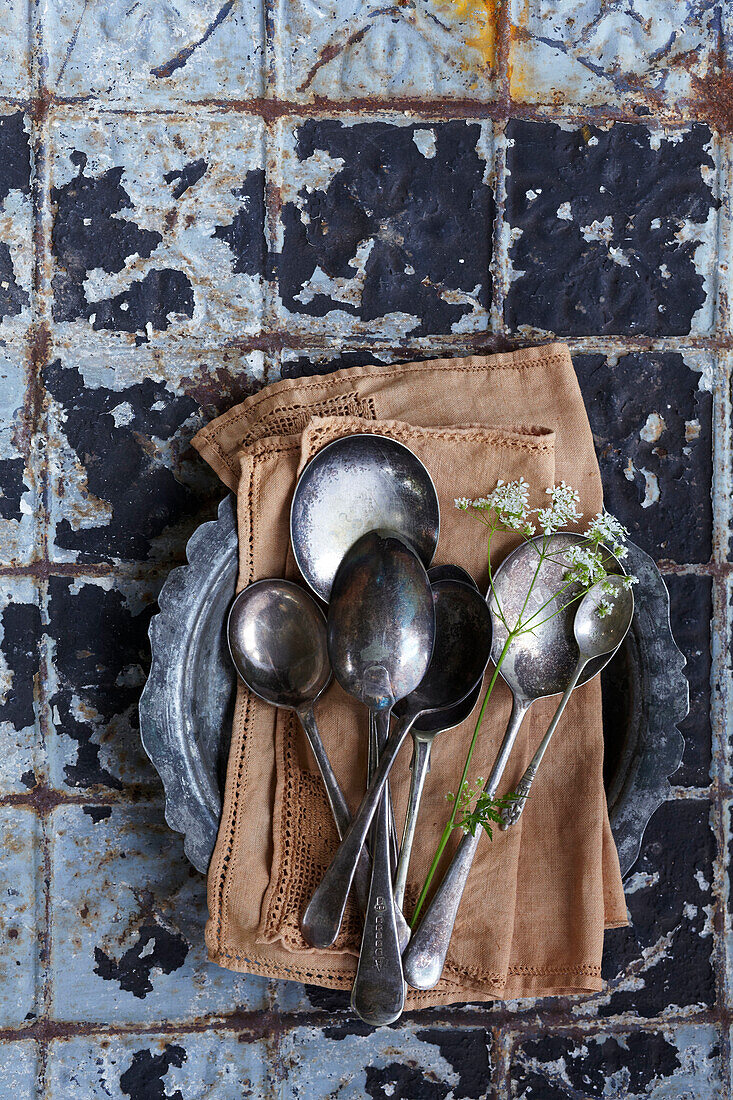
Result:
[
  {"x": 607, "y": 529},
  {"x": 605, "y": 607},
  {"x": 563, "y": 509},
  {"x": 508, "y": 501},
  {"x": 586, "y": 565}
]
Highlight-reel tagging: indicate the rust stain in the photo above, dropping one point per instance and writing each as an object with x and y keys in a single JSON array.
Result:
[
  {"x": 480, "y": 18},
  {"x": 714, "y": 103}
]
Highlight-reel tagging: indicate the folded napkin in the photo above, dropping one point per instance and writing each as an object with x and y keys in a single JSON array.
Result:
[{"x": 540, "y": 894}]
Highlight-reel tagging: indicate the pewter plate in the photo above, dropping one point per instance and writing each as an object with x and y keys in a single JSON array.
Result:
[{"x": 187, "y": 704}]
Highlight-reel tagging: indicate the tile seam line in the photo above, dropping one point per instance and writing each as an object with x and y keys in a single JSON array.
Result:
[
  {"x": 498, "y": 109},
  {"x": 258, "y": 1024}
]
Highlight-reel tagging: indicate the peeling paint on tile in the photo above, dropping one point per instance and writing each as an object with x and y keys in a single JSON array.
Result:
[
  {"x": 132, "y": 948},
  {"x": 137, "y": 259},
  {"x": 20, "y": 917},
  {"x": 378, "y": 238},
  {"x": 594, "y": 54},
  {"x": 429, "y": 49},
  {"x": 650, "y": 1065},
  {"x": 22, "y": 762},
  {"x": 351, "y": 1062},
  {"x": 658, "y": 207},
  {"x": 155, "y": 52},
  {"x": 150, "y": 1067},
  {"x": 670, "y": 476}
]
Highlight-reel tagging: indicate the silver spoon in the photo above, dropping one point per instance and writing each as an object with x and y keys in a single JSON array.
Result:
[
  {"x": 357, "y": 484},
  {"x": 460, "y": 657},
  {"x": 537, "y": 665},
  {"x": 381, "y": 626},
  {"x": 595, "y": 636},
  {"x": 277, "y": 640}
]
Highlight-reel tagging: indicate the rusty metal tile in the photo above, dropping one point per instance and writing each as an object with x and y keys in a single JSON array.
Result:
[
  {"x": 16, "y": 224},
  {"x": 691, "y": 614},
  {"x": 152, "y": 53},
  {"x": 186, "y": 1066},
  {"x": 611, "y": 229},
  {"x": 592, "y": 54},
  {"x": 131, "y": 949},
  {"x": 21, "y": 915},
  {"x": 19, "y": 1060},
  {"x": 14, "y": 52},
  {"x": 350, "y": 1060},
  {"x": 676, "y": 1062},
  {"x": 158, "y": 230},
  {"x": 651, "y": 414},
  {"x": 662, "y": 964},
  {"x": 22, "y": 761},
  {"x": 385, "y": 227},
  {"x": 430, "y": 49},
  {"x": 19, "y": 498},
  {"x": 97, "y": 658},
  {"x": 125, "y": 484}
]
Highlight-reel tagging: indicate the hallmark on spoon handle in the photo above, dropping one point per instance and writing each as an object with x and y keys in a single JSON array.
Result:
[
  {"x": 378, "y": 995},
  {"x": 324, "y": 913}
]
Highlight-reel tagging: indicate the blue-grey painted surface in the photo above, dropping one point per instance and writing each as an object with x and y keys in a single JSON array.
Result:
[{"x": 199, "y": 197}]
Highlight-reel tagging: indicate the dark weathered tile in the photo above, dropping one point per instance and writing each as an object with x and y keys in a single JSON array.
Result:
[
  {"x": 652, "y": 426},
  {"x": 132, "y": 948},
  {"x": 20, "y": 516},
  {"x": 125, "y": 483},
  {"x": 158, "y": 227},
  {"x": 677, "y": 1062},
  {"x": 16, "y": 224},
  {"x": 97, "y": 663},
  {"x": 662, "y": 964},
  {"x": 612, "y": 229},
  {"x": 188, "y": 1066},
  {"x": 18, "y": 1069},
  {"x": 21, "y": 917},
  {"x": 385, "y": 227},
  {"x": 22, "y": 761},
  {"x": 353, "y": 1061},
  {"x": 342, "y": 51},
  {"x": 154, "y": 54},
  {"x": 612, "y": 56},
  {"x": 691, "y": 613}
]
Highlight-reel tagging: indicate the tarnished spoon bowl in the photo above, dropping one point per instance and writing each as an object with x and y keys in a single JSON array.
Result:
[
  {"x": 354, "y": 485},
  {"x": 540, "y": 663},
  {"x": 277, "y": 638}
]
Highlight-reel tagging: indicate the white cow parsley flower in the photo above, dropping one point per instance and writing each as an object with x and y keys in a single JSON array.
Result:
[
  {"x": 586, "y": 565},
  {"x": 607, "y": 529},
  {"x": 563, "y": 509}
]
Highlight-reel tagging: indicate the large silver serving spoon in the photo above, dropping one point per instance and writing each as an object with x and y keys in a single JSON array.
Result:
[
  {"x": 381, "y": 627},
  {"x": 595, "y": 636},
  {"x": 461, "y": 654},
  {"x": 353, "y": 485},
  {"x": 277, "y": 640},
  {"x": 537, "y": 664},
  {"x": 357, "y": 484}
]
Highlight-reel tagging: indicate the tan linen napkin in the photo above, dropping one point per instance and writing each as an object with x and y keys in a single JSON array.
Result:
[{"x": 532, "y": 919}]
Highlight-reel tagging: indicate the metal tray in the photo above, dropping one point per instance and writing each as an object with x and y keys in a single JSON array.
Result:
[{"x": 187, "y": 703}]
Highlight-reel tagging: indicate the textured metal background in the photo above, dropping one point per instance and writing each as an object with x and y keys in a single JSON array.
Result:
[{"x": 196, "y": 197}]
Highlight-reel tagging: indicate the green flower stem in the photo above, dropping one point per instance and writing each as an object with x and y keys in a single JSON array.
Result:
[{"x": 450, "y": 824}]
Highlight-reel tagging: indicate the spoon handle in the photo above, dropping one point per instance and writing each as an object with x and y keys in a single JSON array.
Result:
[
  {"x": 339, "y": 807},
  {"x": 378, "y": 995},
  {"x": 420, "y": 768},
  {"x": 425, "y": 955},
  {"x": 322, "y": 918},
  {"x": 378, "y": 734},
  {"x": 511, "y": 814}
]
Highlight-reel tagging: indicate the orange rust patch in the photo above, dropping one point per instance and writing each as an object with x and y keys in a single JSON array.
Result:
[{"x": 479, "y": 17}]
